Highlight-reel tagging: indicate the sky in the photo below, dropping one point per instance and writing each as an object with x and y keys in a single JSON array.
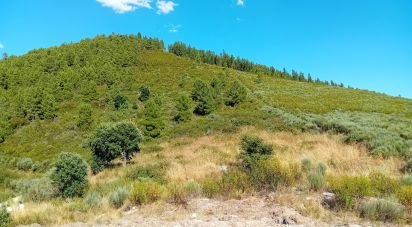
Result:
[{"x": 362, "y": 43}]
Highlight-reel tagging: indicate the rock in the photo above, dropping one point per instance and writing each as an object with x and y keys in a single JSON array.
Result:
[{"x": 328, "y": 200}]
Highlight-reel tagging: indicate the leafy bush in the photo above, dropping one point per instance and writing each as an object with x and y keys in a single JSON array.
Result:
[
  {"x": 114, "y": 140},
  {"x": 404, "y": 194},
  {"x": 85, "y": 119},
  {"x": 316, "y": 180},
  {"x": 93, "y": 200},
  {"x": 234, "y": 183},
  {"x": 203, "y": 95},
  {"x": 183, "y": 107},
  {"x": 39, "y": 189},
  {"x": 5, "y": 219},
  {"x": 408, "y": 166},
  {"x": 211, "y": 186},
  {"x": 153, "y": 119},
  {"x": 70, "y": 175},
  {"x": 118, "y": 197},
  {"x": 120, "y": 102},
  {"x": 24, "y": 164},
  {"x": 193, "y": 189},
  {"x": 145, "y": 192},
  {"x": 144, "y": 93},
  {"x": 406, "y": 180},
  {"x": 349, "y": 189},
  {"x": 382, "y": 210},
  {"x": 254, "y": 146}
]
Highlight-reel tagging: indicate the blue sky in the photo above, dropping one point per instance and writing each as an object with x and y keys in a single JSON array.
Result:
[{"x": 363, "y": 43}]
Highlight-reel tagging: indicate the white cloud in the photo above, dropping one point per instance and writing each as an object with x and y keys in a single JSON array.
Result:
[
  {"x": 1, "y": 46},
  {"x": 123, "y": 6},
  {"x": 165, "y": 7},
  {"x": 174, "y": 28},
  {"x": 240, "y": 2}
]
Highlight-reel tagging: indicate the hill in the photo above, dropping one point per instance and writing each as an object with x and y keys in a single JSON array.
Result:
[{"x": 47, "y": 95}]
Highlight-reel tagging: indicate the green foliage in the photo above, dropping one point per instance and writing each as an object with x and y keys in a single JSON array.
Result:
[
  {"x": 408, "y": 166},
  {"x": 383, "y": 185},
  {"x": 255, "y": 146},
  {"x": 70, "y": 175},
  {"x": 203, "y": 95},
  {"x": 118, "y": 197},
  {"x": 92, "y": 200},
  {"x": 382, "y": 210},
  {"x": 114, "y": 140},
  {"x": 306, "y": 165},
  {"x": 193, "y": 189},
  {"x": 211, "y": 186},
  {"x": 406, "y": 180},
  {"x": 144, "y": 93},
  {"x": 153, "y": 118},
  {"x": 5, "y": 219},
  {"x": 145, "y": 192},
  {"x": 349, "y": 189},
  {"x": 120, "y": 102},
  {"x": 235, "y": 182},
  {"x": 316, "y": 180},
  {"x": 85, "y": 119},
  {"x": 25, "y": 164},
  {"x": 37, "y": 189},
  {"x": 183, "y": 107},
  {"x": 236, "y": 94},
  {"x": 404, "y": 194}
]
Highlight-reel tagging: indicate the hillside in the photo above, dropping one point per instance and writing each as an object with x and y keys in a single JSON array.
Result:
[{"x": 44, "y": 92}]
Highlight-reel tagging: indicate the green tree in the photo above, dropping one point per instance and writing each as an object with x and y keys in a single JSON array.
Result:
[
  {"x": 144, "y": 93},
  {"x": 183, "y": 107},
  {"x": 236, "y": 94},
  {"x": 204, "y": 97},
  {"x": 70, "y": 175},
  {"x": 153, "y": 119},
  {"x": 85, "y": 119},
  {"x": 254, "y": 146},
  {"x": 114, "y": 140},
  {"x": 5, "y": 219},
  {"x": 120, "y": 102}
]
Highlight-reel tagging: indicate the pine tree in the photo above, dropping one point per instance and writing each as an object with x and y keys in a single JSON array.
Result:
[
  {"x": 236, "y": 94},
  {"x": 183, "y": 107},
  {"x": 144, "y": 93},
  {"x": 120, "y": 102},
  {"x": 153, "y": 119},
  {"x": 85, "y": 119},
  {"x": 204, "y": 97}
]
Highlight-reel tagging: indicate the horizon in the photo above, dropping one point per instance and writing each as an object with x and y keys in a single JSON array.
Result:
[{"x": 364, "y": 45}]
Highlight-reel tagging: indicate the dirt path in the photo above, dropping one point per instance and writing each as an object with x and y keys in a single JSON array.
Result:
[{"x": 204, "y": 212}]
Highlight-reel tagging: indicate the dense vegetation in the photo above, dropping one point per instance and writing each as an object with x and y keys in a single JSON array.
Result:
[{"x": 72, "y": 98}]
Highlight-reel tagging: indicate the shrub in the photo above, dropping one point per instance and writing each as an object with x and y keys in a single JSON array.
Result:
[
  {"x": 178, "y": 194},
  {"x": 316, "y": 180},
  {"x": 203, "y": 95},
  {"x": 381, "y": 210},
  {"x": 349, "y": 189},
  {"x": 211, "y": 186},
  {"x": 234, "y": 183},
  {"x": 24, "y": 164},
  {"x": 408, "y": 166},
  {"x": 70, "y": 175},
  {"x": 120, "y": 102},
  {"x": 265, "y": 173},
  {"x": 145, "y": 192},
  {"x": 253, "y": 146},
  {"x": 5, "y": 219},
  {"x": 153, "y": 119},
  {"x": 149, "y": 172},
  {"x": 321, "y": 168},
  {"x": 306, "y": 165},
  {"x": 236, "y": 94},
  {"x": 404, "y": 194},
  {"x": 85, "y": 119},
  {"x": 114, "y": 140},
  {"x": 118, "y": 197},
  {"x": 383, "y": 185},
  {"x": 40, "y": 189},
  {"x": 183, "y": 107},
  {"x": 144, "y": 93},
  {"x": 193, "y": 189},
  {"x": 92, "y": 200}
]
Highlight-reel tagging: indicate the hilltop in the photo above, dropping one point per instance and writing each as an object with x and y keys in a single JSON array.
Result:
[{"x": 185, "y": 101}]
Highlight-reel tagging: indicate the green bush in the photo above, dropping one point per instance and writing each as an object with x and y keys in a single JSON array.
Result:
[
  {"x": 5, "y": 219},
  {"x": 120, "y": 102},
  {"x": 211, "y": 186},
  {"x": 183, "y": 107},
  {"x": 85, "y": 118},
  {"x": 70, "y": 175},
  {"x": 145, "y": 192},
  {"x": 193, "y": 189},
  {"x": 254, "y": 146},
  {"x": 236, "y": 94},
  {"x": 316, "y": 180},
  {"x": 382, "y": 210},
  {"x": 93, "y": 200},
  {"x": 114, "y": 140},
  {"x": 24, "y": 164},
  {"x": 203, "y": 95},
  {"x": 118, "y": 197},
  {"x": 144, "y": 91},
  {"x": 408, "y": 166},
  {"x": 38, "y": 189},
  {"x": 154, "y": 121},
  {"x": 234, "y": 183},
  {"x": 349, "y": 189},
  {"x": 383, "y": 185},
  {"x": 404, "y": 194}
]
